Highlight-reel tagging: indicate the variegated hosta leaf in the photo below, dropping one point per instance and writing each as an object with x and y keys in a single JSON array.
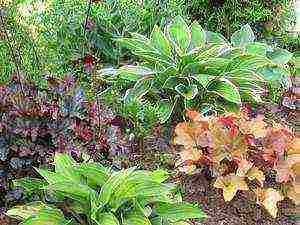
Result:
[
  {"x": 141, "y": 87},
  {"x": 242, "y": 37},
  {"x": 198, "y": 36},
  {"x": 280, "y": 56},
  {"x": 179, "y": 211},
  {"x": 213, "y": 52},
  {"x": 160, "y": 41},
  {"x": 107, "y": 219},
  {"x": 187, "y": 91},
  {"x": 165, "y": 109},
  {"x": 204, "y": 79},
  {"x": 136, "y": 219},
  {"x": 213, "y": 38},
  {"x": 134, "y": 73},
  {"x": 249, "y": 62},
  {"x": 257, "y": 48},
  {"x": 179, "y": 34},
  {"x": 225, "y": 89}
]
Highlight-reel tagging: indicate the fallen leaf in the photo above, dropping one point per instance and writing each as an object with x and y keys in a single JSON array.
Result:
[
  {"x": 230, "y": 184},
  {"x": 269, "y": 198}
]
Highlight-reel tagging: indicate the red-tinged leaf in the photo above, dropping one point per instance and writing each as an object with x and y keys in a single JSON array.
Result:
[
  {"x": 269, "y": 198},
  {"x": 230, "y": 184}
]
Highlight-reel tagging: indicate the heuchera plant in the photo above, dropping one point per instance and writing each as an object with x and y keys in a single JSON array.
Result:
[
  {"x": 34, "y": 124},
  {"x": 239, "y": 148}
]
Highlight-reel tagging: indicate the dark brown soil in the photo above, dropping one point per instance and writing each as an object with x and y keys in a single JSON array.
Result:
[{"x": 242, "y": 210}]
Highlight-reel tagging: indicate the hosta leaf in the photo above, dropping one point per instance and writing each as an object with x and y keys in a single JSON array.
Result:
[
  {"x": 30, "y": 184},
  {"x": 187, "y": 91},
  {"x": 25, "y": 211},
  {"x": 95, "y": 173},
  {"x": 141, "y": 87},
  {"x": 179, "y": 211},
  {"x": 198, "y": 36},
  {"x": 171, "y": 82},
  {"x": 113, "y": 183},
  {"x": 213, "y": 52},
  {"x": 204, "y": 79},
  {"x": 215, "y": 38},
  {"x": 280, "y": 56},
  {"x": 47, "y": 216},
  {"x": 225, "y": 89},
  {"x": 179, "y": 34},
  {"x": 107, "y": 219},
  {"x": 160, "y": 42},
  {"x": 76, "y": 191},
  {"x": 250, "y": 62},
  {"x": 135, "y": 44},
  {"x": 136, "y": 219},
  {"x": 256, "y": 48},
  {"x": 242, "y": 37},
  {"x": 276, "y": 75},
  {"x": 269, "y": 198},
  {"x": 134, "y": 73},
  {"x": 52, "y": 177},
  {"x": 165, "y": 109},
  {"x": 64, "y": 165}
]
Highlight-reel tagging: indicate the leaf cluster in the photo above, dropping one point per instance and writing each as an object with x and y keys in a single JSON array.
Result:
[
  {"x": 93, "y": 194},
  {"x": 240, "y": 148}
]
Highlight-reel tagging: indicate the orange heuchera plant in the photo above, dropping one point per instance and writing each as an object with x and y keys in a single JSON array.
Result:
[{"x": 240, "y": 148}]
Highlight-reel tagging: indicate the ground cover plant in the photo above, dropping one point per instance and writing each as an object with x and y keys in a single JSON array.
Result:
[
  {"x": 239, "y": 148},
  {"x": 98, "y": 195},
  {"x": 186, "y": 66}
]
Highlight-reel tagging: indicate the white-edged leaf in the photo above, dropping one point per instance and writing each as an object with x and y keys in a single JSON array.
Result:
[
  {"x": 187, "y": 91},
  {"x": 198, "y": 36},
  {"x": 225, "y": 89},
  {"x": 160, "y": 42},
  {"x": 165, "y": 109},
  {"x": 243, "y": 37},
  {"x": 280, "y": 56}
]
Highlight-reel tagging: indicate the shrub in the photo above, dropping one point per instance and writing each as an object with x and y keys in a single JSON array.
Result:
[
  {"x": 34, "y": 124},
  {"x": 97, "y": 195},
  {"x": 240, "y": 148},
  {"x": 186, "y": 66},
  {"x": 73, "y": 35}
]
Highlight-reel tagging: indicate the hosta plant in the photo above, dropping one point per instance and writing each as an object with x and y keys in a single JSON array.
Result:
[
  {"x": 190, "y": 67},
  {"x": 92, "y": 194},
  {"x": 239, "y": 148}
]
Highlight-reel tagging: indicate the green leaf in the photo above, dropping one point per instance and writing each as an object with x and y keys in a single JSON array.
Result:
[
  {"x": 179, "y": 211},
  {"x": 52, "y": 177},
  {"x": 135, "y": 219},
  {"x": 95, "y": 173},
  {"x": 213, "y": 52},
  {"x": 276, "y": 75},
  {"x": 204, "y": 79},
  {"x": 180, "y": 35},
  {"x": 280, "y": 56},
  {"x": 171, "y": 82},
  {"x": 225, "y": 89},
  {"x": 47, "y": 216},
  {"x": 160, "y": 42},
  {"x": 142, "y": 87},
  {"x": 76, "y": 191},
  {"x": 65, "y": 165},
  {"x": 134, "y": 73},
  {"x": 159, "y": 175},
  {"x": 243, "y": 37},
  {"x": 187, "y": 91},
  {"x": 113, "y": 183},
  {"x": 30, "y": 184},
  {"x": 25, "y": 211},
  {"x": 198, "y": 36},
  {"x": 256, "y": 48},
  {"x": 213, "y": 38},
  {"x": 250, "y": 62},
  {"x": 165, "y": 109},
  {"x": 107, "y": 219}
]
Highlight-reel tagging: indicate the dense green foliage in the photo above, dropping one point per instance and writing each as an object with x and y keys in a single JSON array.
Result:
[
  {"x": 194, "y": 67},
  {"x": 104, "y": 196}
]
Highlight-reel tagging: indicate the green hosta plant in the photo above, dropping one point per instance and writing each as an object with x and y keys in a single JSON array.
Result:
[
  {"x": 199, "y": 67},
  {"x": 95, "y": 195}
]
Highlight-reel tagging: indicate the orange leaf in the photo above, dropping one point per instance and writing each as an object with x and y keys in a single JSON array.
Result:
[
  {"x": 255, "y": 173},
  {"x": 269, "y": 198},
  {"x": 255, "y": 126},
  {"x": 230, "y": 184}
]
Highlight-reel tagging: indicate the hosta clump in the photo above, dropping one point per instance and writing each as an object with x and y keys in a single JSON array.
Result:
[
  {"x": 239, "y": 148},
  {"x": 199, "y": 67},
  {"x": 34, "y": 124},
  {"x": 92, "y": 194}
]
